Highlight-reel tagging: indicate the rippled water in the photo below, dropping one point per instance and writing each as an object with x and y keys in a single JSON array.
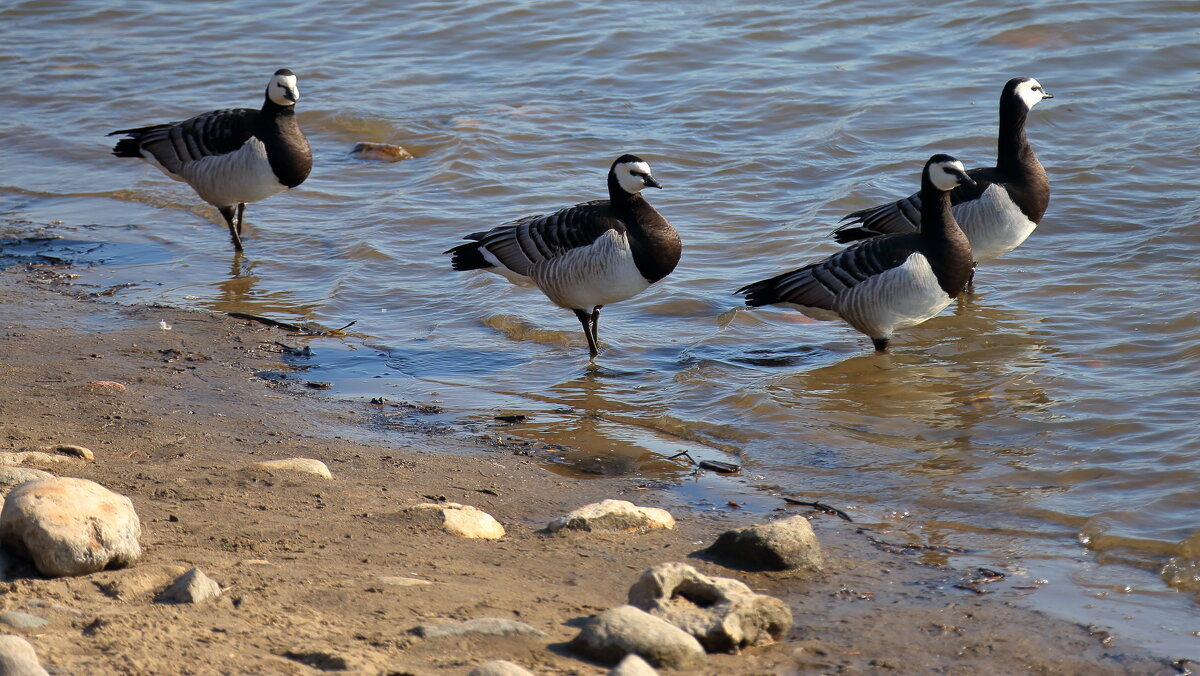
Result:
[{"x": 1048, "y": 422}]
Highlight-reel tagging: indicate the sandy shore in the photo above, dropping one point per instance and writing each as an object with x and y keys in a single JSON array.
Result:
[{"x": 301, "y": 558}]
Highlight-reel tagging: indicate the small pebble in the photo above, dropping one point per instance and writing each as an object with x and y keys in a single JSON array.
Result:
[{"x": 20, "y": 620}]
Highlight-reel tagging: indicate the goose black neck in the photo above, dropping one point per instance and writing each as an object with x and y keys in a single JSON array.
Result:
[
  {"x": 937, "y": 220},
  {"x": 617, "y": 196},
  {"x": 272, "y": 109},
  {"x": 655, "y": 244},
  {"x": 946, "y": 246},
  {"x": 1012, "y": 148}
]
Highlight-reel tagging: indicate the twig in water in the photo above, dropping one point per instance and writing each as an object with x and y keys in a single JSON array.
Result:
[
  {"x": 683, "y": 454},
  {"x": 268, "y": 321},
  {"x": 821, "y": 507}
]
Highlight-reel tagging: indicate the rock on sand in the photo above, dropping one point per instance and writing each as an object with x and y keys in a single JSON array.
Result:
[
  {"x": 191, "y": 587},
  {"x": 462, "y": 520},
  {"x": 617, "y": 632},
  {"x": 633, "y": 665},
  {"x": 306, "y": 465},
  {"x": 618, "y": 515},
  {"x": 17, "y": 657},
  {"x": 500, "y": 668},
  {"x": 786, "y": 544},
  {"x": 71, "y": 526},
  {"x": 722, "y": 613}
]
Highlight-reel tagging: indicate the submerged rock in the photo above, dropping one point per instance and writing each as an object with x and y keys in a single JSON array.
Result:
[
  {"x": 786, "y": 544},
  {"x": 461, "y": 520},
  {"x": 722, "y": 613},
  {"x": 617, "y": 632},
  {"x": 71, "y": 526},
  {"x": 383, "y": 152},
  {"x": 618, "y": 515},
  {"x": 306, "y": 465}
]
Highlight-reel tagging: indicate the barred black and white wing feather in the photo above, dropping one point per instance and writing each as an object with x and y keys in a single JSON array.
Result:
[
  {"x": 516, "y": 247},
  {"x": 904, "y": 216},
  {"x": 175, "y": 145},
  {"x": 821, "y": 285}
]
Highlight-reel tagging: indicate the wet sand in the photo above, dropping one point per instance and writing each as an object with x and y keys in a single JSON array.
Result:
[{"x": 301, "y": 557}]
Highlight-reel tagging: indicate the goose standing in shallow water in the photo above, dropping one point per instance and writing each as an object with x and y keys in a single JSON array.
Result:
[
  {"x": 586, "y": 256},
  {"x": 888, "y": 282},
  {"x": 1000, "y": 208},
  {"x": 233, "y": 156}
]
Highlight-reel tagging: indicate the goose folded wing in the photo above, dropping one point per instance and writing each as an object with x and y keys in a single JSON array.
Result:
[
  {"x": 214, "y": 133},
  {"x": 818, "y": 285},
  {"x": 523, "y": 243},
  {"x": 904, "y": 215}
]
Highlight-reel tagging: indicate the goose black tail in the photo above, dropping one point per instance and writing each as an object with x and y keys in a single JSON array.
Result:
[
  {"x": 760, "y": 293},
  {"x": 467, "y": 257},
  {"x": 127, "y": 147},
  {"x": 132, "y": 146}
]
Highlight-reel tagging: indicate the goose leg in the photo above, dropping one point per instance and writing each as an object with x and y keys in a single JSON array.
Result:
[
  {"x": 585, "y": 319},
  {"x": 596, "y": 325},
  {"x": 241, "y": 212},
  {"x": 880, "y": 344},
  {"x": 228, "y": 213}
]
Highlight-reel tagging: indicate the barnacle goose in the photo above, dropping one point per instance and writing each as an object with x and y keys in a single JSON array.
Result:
[
  {"x": 586, "y": 256},
  {"x": 1003, "y": 205},
  {"x": 888, "y": 282},
  {"x": 230, "y": 156}
]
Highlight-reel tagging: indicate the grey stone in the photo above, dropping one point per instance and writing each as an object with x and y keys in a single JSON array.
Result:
[
  {"x": 500, "y": 668},
  {"x": 18, "y": 658},
  {"x": 786, "y": 544},
  {"x": 617, "y": 632},
  {"x": 11, "y": 476},
  {"x": 722, "y": 613},
  {"x": 633, "y": 665},
  {"x": 618, "y": 515},
  {"x": 20, "y": 620},
  {"x": 71, "y": 526},
  {"x": 482, "y": 626},
  {"x": 191, "y": 587}
]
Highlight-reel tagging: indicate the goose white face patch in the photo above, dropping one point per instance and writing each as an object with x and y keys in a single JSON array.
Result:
[
  {"x": 631, "y": 176},
  {"x": 1031, "y": 92},
  {"x": 281, "y": 87},
  {"x": 944, "y": 175}
]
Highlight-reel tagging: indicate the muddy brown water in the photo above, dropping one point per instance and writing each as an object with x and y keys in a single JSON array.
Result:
[{"x": 1045, "y": 425}]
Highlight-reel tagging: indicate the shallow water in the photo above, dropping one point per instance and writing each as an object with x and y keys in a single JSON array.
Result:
[{"x": 1047, "y": 424}]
